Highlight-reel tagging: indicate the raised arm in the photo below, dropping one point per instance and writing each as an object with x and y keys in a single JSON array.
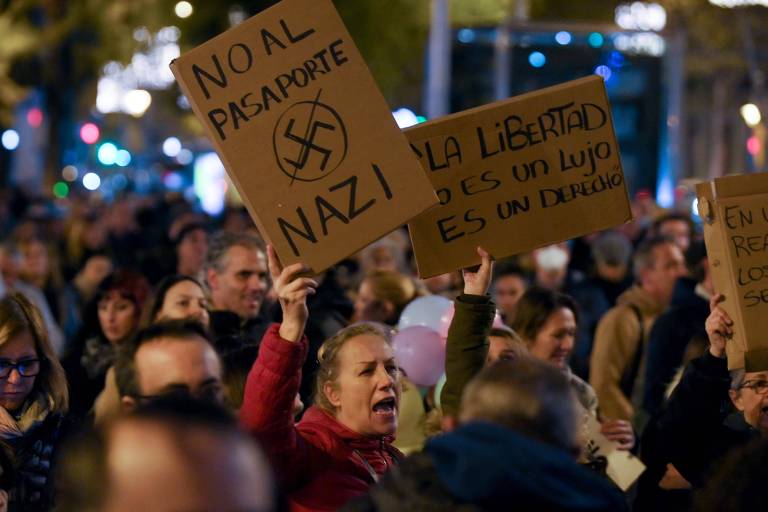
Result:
[
  {"x": 467, "y": 342},
  {"x": 275, "y": 376}
]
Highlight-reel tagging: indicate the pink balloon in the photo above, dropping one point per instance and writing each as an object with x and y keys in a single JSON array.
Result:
[
  {"x": 498, "y": 322},
  {"x": 420, "y": 352}
]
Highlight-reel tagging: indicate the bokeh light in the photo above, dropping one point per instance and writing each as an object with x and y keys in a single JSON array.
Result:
[
  {"x": 61, "y": 189},
  {"x": 537, "y": 59},
  {"x": 563, "y": 37},
  {"x": 171, "y": 147},
  {"x": 10, "y": 139},
  {"x": 91, "y": 181},
  {"x": 107, "y": 153},
  {"x": 69, "y": 173},
  {"x": 183, "y": 9},
  {"x": 89, "y": 133},
  {"x": 595, "y": 40}
]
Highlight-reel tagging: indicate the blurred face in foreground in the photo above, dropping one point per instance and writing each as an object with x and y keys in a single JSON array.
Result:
[
  {"x": 152, "y": 466},
  {"x": 366, "y": 394}
]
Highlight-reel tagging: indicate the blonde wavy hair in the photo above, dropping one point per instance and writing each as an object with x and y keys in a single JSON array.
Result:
[
  {"x": 19, "y": 315},
  {"x": 328, "y": 358}
]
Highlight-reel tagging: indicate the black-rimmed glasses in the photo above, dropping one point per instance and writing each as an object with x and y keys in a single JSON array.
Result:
[
  {"x": 758, "y": 386},
  {"x": 26, "y": 368}
]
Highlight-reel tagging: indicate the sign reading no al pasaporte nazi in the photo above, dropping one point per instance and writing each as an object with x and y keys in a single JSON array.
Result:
[
  {"x": 304, "y": 132},
  {"x": 518, "y": 174}
]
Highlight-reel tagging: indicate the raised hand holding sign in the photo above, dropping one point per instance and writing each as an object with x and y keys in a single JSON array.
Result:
[{"x": 292, "y": 291}]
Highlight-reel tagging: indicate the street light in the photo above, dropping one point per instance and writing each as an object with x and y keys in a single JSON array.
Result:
[
  {"x": 183, "y": 9},
  {"x": 751, "y": 114},
  {"x": 738, "y": 3}
]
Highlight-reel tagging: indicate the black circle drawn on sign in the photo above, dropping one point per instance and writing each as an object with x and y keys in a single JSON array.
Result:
[{"x": 298, "y": 126}]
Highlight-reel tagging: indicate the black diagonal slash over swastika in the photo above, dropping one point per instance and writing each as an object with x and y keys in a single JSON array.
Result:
[
  {"x": 321, "y": 142},
  {"x": 308, "y": 140}
]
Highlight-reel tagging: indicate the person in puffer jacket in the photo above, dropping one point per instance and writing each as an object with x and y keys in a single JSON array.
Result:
[{"x": 343, "y": 443}]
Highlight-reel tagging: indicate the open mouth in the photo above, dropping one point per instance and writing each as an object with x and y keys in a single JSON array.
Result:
[{"x": 385, "y": 406}]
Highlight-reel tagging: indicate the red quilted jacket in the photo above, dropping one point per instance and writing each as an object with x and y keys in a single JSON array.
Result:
[{"x": 319, "y": 463}]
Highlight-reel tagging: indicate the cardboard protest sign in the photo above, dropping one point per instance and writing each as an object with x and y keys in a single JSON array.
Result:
[
  {"x": 518, "y": 174},
  {"x": 304, "y": 133},
  {"x": 735, "y": 214}
]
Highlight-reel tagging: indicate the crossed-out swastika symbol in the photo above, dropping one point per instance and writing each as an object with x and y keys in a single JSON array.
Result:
[
  {"x": 321, "y": 147},
  {"x": 308, "y": 144}
]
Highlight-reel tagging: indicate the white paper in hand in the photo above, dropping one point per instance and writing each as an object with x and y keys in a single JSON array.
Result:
[{"x": 623, "y": 467}]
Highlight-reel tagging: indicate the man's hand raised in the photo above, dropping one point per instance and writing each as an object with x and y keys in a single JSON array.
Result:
[
  {"x": 719, "y": 327},
  {"x": 292, "y": 292},
  {"x": 477, "y": 279}
]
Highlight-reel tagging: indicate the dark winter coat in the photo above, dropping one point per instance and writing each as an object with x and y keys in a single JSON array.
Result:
[
  {"x": 698, "y": 428},
  {"x": 672, "y": 332},
  {"x": 486, "y": 467},
  {"x": 230, "y": 332}
]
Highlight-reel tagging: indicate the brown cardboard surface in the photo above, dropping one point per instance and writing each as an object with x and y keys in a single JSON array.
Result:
[
  {"x": 722, "y": 272},
  {"x": 518, "y": 174},
  {"x": 734, "y": 186},
  {"x": 304, "y": 133},
  {"x": 736, "y": 234}
]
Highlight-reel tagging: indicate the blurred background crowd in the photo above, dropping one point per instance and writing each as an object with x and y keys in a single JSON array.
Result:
[{"x": 132, "y": 279}]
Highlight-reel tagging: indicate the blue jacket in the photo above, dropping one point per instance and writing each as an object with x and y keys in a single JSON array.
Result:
[{"x": 489, "y": 467}]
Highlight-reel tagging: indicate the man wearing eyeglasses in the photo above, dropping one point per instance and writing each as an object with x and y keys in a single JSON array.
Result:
[
  {"x": 168, "y": 358},
  {"x": 712, "y": 411}
]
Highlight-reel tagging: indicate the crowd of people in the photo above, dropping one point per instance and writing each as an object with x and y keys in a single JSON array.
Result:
[{"x": 152, "y": 357}]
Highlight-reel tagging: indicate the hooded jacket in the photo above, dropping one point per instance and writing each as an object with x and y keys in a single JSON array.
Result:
[
  {"x": 617, "y": 341},
  {"x": 319, "y": 463},
  {"x": 483, "y": 466}
]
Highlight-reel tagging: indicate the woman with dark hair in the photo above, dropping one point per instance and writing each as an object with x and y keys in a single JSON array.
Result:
[
  {"x": 176, "y": 297},
  {"x": 33, "y": 402},
  {"x": 547, "y": 321},
  {"x": 113, "y": 316}
]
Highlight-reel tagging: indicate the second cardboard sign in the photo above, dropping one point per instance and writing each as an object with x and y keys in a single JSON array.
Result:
[
  {"x": 735, "y": 214},
  {"x": 518, "y": 174}
]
